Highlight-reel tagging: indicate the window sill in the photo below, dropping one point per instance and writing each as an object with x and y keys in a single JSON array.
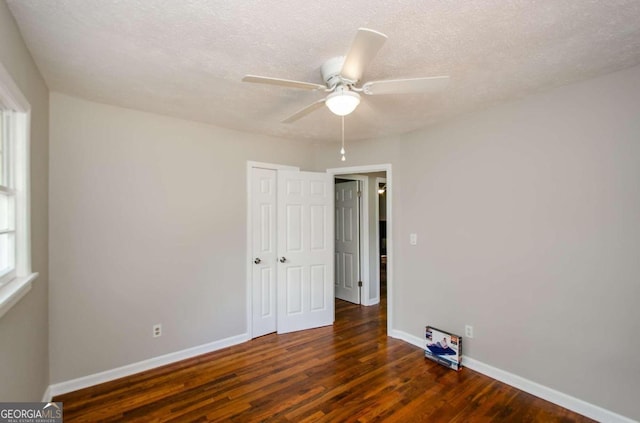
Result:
[{"x": 13, "y": 291}]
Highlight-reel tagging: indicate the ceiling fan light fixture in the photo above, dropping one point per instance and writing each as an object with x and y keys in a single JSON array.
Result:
[{"x": 342, "y": 101}]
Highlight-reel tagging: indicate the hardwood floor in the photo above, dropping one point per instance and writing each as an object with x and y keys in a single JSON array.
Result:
[{"x": 345, "y": 373}]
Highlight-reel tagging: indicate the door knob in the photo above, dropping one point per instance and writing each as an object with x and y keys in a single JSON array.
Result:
[
  {"x": 257, "y": 260},
  {"x": 283, "y": 259}
]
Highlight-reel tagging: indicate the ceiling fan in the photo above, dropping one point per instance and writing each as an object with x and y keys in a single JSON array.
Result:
[{"x": 342, "y": 74}]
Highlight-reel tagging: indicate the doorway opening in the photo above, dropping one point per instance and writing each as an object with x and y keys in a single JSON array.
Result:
[
  {"x": 374, "y": 246},
  {"x": 381, "y": 235}
]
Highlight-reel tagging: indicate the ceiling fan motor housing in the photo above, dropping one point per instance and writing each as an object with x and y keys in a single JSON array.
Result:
[{"x": 331, "y": 70}]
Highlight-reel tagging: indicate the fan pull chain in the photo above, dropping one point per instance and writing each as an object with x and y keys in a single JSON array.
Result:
[{"x": 342, "y": 149}]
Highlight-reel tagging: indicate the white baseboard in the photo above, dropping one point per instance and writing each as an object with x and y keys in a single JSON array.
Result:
[
  {"x": 567, "y": 401},
  {"x": 141, "y": 366}
]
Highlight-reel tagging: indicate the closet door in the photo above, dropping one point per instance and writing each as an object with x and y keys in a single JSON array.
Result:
[
  {"x": 263, "y": 216},
  {"x": 305, "y": 288}
]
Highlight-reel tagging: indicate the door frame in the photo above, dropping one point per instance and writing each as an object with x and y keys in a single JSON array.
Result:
[
  {"x": 249, "y": 241},
  {"x": 388, "y": 169},
  {"x": 364, "y": 235}
]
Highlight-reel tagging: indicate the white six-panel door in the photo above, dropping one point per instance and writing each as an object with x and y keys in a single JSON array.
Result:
[
  {"x": 305, "y": 295},
  {"x": 264, "y": 267},
  {"x": 347, "y": 241}
]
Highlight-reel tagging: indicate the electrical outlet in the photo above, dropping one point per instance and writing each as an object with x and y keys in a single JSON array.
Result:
[
  {"x": 157, "y": 330},
  {"x": 413, "y": 239},
  {"x": 468, "y": 331}
]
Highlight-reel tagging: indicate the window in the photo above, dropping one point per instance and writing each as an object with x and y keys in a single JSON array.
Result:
[
  {"x": 7, "y": 200},
  {"x": 15, "y": 252}
]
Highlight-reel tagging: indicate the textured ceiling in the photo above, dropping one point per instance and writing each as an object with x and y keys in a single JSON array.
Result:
[{"x": 186, "y": 58}]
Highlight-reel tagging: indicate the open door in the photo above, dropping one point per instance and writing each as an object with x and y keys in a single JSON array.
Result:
[
  {"x": 305, "y": 250},
  {"x": 347, "y": 222}
]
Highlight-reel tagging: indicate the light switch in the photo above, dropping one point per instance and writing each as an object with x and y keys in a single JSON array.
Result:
[{"x": 413, "y": 239}]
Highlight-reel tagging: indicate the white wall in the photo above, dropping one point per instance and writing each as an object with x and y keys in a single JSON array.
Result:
[
  {"x": 148, "y": 220},
  {"x": 24, "y": 332},
  {"x": 528, "y": 216}
]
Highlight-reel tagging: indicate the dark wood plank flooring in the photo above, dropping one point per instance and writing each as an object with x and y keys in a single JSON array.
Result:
[{"x": 346, "y": 373}]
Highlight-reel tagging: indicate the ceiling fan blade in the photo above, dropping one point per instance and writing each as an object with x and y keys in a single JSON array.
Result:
[
  {"x": 363, "y": 49},
  {"x": 406, "y": 86},
  {"x": 304, "y": 111},
  {"x": 283, "y": 82}
]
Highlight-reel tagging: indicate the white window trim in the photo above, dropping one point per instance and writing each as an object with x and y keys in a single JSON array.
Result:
[{"x": 12, "y": 98}]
